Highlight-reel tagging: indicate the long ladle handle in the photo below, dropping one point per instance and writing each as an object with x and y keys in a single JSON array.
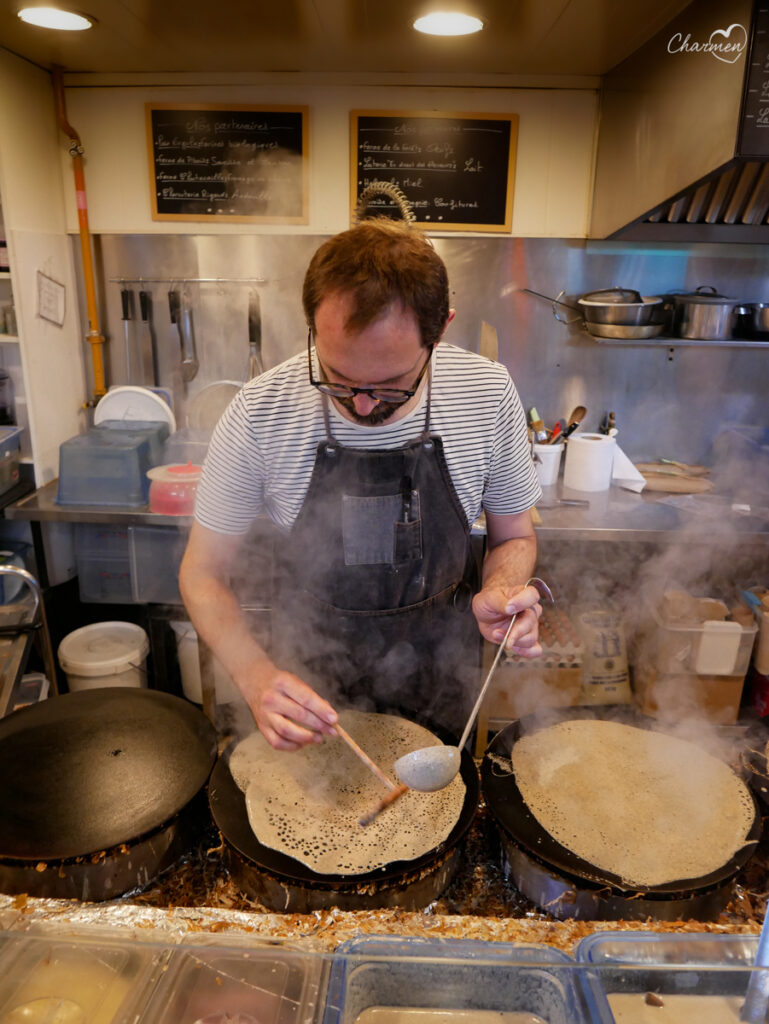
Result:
[{"x": 485, "y": 686}]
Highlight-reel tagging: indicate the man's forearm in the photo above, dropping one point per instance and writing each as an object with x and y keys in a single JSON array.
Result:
[
  {"x": 219, "y": 620},
  {"x": 510, "y": 563}
]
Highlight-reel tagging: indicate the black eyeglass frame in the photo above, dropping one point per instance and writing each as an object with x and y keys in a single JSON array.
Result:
[{"x": 396, "y": 396}]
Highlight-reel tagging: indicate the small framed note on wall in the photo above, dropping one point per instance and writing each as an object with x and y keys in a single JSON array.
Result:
[
  {"x": 228, "y": 163},
  {"x": 456, "y": 170},
  {"x": 51, "y": 297}
]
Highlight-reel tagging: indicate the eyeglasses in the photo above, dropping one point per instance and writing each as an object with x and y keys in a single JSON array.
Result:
[{"x": 396, "y": 396}]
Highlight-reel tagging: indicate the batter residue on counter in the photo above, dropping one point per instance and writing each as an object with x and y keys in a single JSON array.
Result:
[
  {"x": 642, "y": 805},
  {"x": 308, "y": 804},
  {"x": 632, "y": 1008}
]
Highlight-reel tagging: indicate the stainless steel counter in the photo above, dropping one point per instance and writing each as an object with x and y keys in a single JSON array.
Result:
[
  {"x": 613, "y": 515},
  {"x": 41, "y": 507}
]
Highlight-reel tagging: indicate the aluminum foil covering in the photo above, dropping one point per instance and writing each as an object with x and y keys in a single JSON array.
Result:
[{"x": 321, "y": 931}]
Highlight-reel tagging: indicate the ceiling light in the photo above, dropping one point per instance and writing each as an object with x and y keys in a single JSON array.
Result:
[
  {"x": 448, "y": 23},
  {"x": 53, "y": 17}
]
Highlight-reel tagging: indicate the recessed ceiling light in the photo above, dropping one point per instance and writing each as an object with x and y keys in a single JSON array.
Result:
[
  {"x": 448, "y": 23},
  {"x": 53, "y": 17}
]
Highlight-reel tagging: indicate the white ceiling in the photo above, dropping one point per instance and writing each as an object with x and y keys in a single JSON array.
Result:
[{"x": 521, "y": 37}]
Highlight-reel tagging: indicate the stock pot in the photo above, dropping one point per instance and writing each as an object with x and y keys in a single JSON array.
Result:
[{"x": 705, "y": 315}]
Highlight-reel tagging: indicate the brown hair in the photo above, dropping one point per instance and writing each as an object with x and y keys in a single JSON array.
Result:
[{"x": 378, "y": 262}]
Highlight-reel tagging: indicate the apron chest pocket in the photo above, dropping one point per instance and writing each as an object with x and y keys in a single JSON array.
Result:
[{"x": 373, "y": 533}]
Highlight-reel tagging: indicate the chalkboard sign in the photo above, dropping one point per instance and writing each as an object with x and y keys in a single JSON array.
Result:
[
  {"x": 754, "y": 122},
  {"x": 231, "y": 163},
  {"x": 456, "y": 170}
]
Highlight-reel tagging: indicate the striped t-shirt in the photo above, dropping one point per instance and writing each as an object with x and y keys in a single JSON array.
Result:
[{"x": 262, "y": 453}]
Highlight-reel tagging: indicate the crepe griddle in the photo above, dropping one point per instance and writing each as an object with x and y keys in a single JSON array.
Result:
[
  {"x": 90, "y": 770},
  {"x": 512, "y": 815},
  {"x": 228, "y": 807}
]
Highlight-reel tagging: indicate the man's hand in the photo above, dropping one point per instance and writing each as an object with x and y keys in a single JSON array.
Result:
[
  {"x": 288, "y": 712},
  {"x": 494, "y": 605}
]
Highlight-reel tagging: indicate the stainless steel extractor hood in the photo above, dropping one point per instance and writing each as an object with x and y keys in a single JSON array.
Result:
[{"x": 683, "y": 138}]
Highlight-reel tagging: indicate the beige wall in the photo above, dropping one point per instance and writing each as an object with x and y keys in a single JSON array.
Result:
[
  {"x": 47, "y": 364},
  {"x": 553, "y": 176}
]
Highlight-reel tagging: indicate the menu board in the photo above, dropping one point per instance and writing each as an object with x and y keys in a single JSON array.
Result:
[
  {"x": 228, "y": 163},
  {"x": 456, "y": 170}
]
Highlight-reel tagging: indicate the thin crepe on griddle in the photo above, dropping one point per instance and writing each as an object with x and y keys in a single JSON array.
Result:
[
  {"x": 643, "y": 805},
  {"x": 308, "y": 804}
]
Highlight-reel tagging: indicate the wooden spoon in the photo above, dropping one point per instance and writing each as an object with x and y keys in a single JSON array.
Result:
[{"x": 575, "y": 419}]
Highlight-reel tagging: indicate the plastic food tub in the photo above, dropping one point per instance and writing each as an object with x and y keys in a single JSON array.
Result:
[{"x": 424, "y": 980}]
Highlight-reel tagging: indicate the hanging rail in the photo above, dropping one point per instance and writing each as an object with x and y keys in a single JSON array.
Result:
[{"x": 188, "y": 280}]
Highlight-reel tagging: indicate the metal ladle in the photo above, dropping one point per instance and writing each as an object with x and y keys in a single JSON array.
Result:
[{"x": 431, "y": 768}]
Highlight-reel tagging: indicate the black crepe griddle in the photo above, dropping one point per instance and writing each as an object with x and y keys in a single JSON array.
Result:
[
  {"x": 228, "y": 807},
  {"x": 90, "y": 770},
  {"x": 512, "y": 815}
]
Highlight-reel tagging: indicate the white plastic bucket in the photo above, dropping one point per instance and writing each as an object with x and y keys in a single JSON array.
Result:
[
  {"x": 189, "y": 666},
  {"x": 105, "y": 654}
]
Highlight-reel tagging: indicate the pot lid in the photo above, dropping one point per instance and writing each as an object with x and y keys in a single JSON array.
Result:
[
  {"x": 86, "y": 771},
  {"x": 643, "y": 300},
  {"x": 611, "y": 295},
  {"x": 705, "y": 295}
]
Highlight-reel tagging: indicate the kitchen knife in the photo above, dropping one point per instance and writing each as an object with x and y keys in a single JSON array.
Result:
[
  {"x": 190, "y": 359},
  {"x": 186, "y": 341},
  {"x": 127, "y": 301},
  {"x": 255, "y": 366},
  {"x": 149, "y": 353}
]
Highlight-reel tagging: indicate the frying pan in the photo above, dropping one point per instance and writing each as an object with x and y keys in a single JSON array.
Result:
[
  {"x": 515, "y": 820},
  {"x": 90, "y": 770},
  {"x": 228, "y": 807}
]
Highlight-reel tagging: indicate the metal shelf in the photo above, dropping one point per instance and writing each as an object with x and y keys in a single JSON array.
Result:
[{"x": 665, "y": 342}]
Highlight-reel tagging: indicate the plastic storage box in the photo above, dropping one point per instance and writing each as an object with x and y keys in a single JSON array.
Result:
[
  {"x": 632, "y": 964},
  {"x": 478, "y": 982},
  {"x": 66, "y": 979},
  {"x": 155, "y": 554},
  {"x": 268, "y": 986},
  {"x": 103, "y": 564},
  {"x": 108, "y": 464},
  {"x": 700, "y": 666}
]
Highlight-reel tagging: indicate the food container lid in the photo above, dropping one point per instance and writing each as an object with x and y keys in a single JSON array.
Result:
[
  {"x": 176, "y": 473},
  {"x": 129, "y": 402},
  {"x": 103, "y": 648}
]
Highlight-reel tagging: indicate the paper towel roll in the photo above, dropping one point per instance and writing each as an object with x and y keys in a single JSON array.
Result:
[{"x": 589, "y": 460}]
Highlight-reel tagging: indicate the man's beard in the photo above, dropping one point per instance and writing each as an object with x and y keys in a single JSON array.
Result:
[{"x": 379, "y": 414}]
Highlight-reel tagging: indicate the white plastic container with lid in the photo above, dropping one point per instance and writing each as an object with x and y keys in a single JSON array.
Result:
[
  {"x": 105, "y": 654},
  {"x": 189, "y": 667}
]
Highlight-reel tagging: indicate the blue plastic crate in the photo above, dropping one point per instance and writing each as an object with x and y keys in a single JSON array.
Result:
[
  {"x": 451, "y": 974},
  {"x": 108, "y": 465}
]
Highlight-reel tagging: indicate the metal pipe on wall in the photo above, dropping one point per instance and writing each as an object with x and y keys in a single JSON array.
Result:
[{"x": 94, "y": 337}]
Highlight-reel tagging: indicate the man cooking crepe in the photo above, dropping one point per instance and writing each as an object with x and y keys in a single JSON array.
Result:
[{"x": 374, "y": 451}]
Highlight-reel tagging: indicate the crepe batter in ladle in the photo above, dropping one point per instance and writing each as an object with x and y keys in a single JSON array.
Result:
[{"x": 431, "y": 768}]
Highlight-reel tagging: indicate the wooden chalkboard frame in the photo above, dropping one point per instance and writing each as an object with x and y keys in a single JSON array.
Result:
[
  {"x": 414, "y": 117},
  {"x": 234, "y": 108}
]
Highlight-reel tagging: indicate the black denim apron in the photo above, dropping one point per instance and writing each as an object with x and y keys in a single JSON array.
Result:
[{"x": 373, "y": 594}]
